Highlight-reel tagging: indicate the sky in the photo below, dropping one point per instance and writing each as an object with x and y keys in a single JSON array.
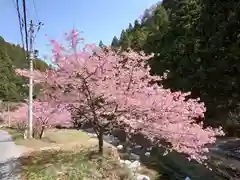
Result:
[{"x": 98, "y": 19}]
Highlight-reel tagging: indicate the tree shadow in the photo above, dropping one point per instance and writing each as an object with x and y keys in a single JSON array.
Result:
[
  {"x": 10, "y": 169},
  {"x": 175, "y": 167},
  {"x": 6, "y": 140}
]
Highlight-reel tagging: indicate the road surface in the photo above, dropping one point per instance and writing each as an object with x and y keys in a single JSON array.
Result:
[{"x": 9, "y": 164}]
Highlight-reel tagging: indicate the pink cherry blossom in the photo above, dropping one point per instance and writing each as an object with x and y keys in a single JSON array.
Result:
[
  {"x": 94, "y": 84},
  {"x": 45, "y": 115}
]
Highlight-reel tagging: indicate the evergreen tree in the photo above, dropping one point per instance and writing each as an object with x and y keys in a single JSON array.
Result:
[
  {"x": 115, "y": 42},
  {"x": 122, "y": 37},
  {"x": 101, "y": 45},
  {"x": 8, "y": 87},
  {"x": 1, "y": 39},
  {"x": 198, "y": 41},
  {"x": 136, "y": 24},
  {"x": 12, "y": 86},
  {"x": 130, "y": 27}
]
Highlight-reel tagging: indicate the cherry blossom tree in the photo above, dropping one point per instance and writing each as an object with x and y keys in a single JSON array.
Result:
[
  {"x": 108, "y": 88},
  {"x": 45, "y": 115},
  {"x": 17, "y": 117}
]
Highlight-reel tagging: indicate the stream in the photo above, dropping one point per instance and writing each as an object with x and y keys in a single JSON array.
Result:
[{"x": 224, "y": 160}]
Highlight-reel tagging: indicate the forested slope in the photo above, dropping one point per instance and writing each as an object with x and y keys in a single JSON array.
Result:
[
  {"x": 199, "y": 42},
  {"x": 11, "y": 86}
]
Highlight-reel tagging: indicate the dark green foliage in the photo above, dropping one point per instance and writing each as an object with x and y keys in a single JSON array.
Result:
[
  {"x": 130, "y": 27},
  {"x": 12, "y": 87},
  {"x": 115, "y": 42},
  {"x": 101, "y": 45},
  {"x": 1, "y": 39},
  {"x": 199, "y": 42},
  {"x": 8, "y": 80},
  {"x": 136, "y": 24}
]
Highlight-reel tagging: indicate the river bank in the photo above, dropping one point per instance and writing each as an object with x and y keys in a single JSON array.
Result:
[{"x": 224, "y": 159}]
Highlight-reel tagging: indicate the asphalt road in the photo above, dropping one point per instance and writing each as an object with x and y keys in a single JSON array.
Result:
[{"x": 9, "y": 164}]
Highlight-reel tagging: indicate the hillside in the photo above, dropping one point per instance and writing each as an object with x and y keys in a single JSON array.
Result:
[
  {"x": 198, "y": 41},
  {"x": 11, "y": 86}
]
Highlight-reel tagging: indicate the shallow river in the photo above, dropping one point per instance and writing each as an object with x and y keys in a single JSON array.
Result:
[{"x": 225, "y": 162}]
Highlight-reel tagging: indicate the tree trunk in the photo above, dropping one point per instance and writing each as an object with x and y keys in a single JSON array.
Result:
[
  {"x": 126, "y": 144},
  {"x": 100, "y": 141},
  {"x": 41, "y": 132}
]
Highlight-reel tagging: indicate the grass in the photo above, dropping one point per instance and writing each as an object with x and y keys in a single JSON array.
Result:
[
  {"x": 71, "y": 165},
  {"x": 62, "y": 163},
  {"x": 16, "y": 134},
  {"x": 53, "y": 137},
  {"x": 173, "y": 166}
]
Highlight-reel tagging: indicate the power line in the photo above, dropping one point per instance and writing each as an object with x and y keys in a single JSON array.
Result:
[
  {"x": 35, "y": 8},
  {"x": 19, "y": 21},
  {"x": 30, "y": 56},
  {"x": 38, "y": 26},
  {"x": 39, "y": 23},
  {"x": 29, "y": 53},
  {"x": 25, "y": 25}
]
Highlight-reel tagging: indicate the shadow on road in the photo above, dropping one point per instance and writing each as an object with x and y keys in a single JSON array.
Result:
[
  {"x": 10, "y": 169},
  {"x": 6, "y": 140}
]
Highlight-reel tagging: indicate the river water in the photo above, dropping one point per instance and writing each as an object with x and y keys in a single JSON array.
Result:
[
  {"x": 224, "y": 161},
  {"x": 226, "y": 156}
]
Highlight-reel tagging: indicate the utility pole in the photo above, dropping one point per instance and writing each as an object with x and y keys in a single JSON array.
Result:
[
  {"x": 30, "y": 106},
  {"x": 28, "y": 57}
]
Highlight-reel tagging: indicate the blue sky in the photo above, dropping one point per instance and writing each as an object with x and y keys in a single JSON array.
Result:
[{"x": 98, "y": 19}]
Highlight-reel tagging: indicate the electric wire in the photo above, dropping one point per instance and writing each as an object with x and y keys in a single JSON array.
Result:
[{"x": 16, "y": 4}]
